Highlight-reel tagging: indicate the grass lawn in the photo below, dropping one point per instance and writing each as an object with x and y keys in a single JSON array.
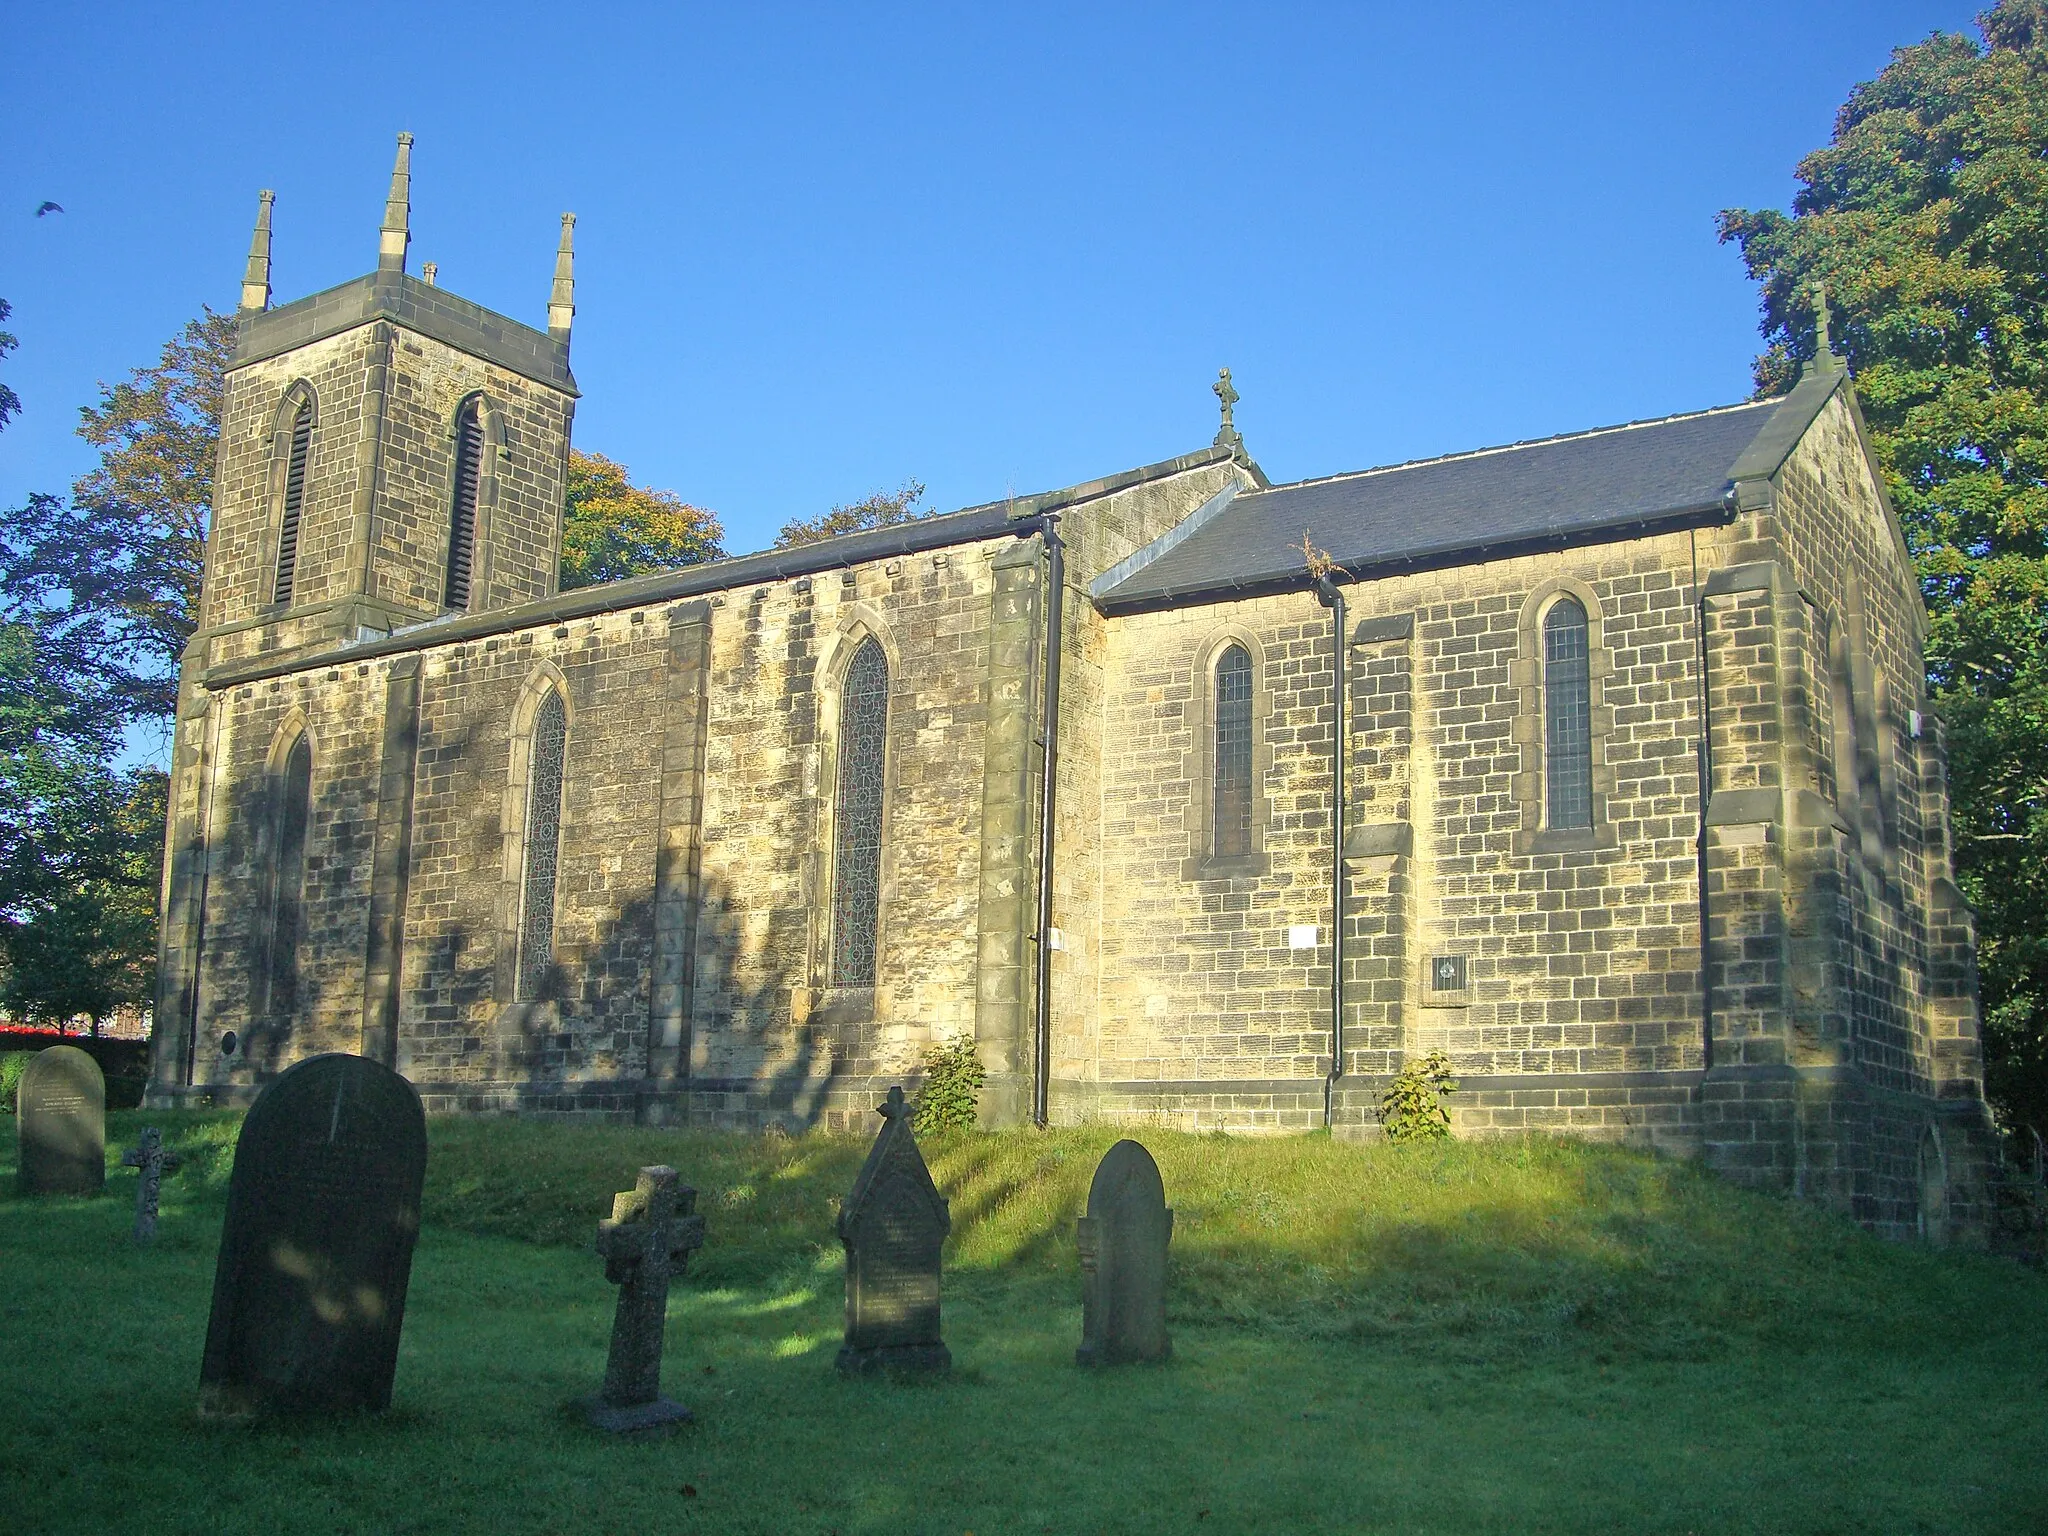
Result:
[{"x": 1465, "y": 1338}]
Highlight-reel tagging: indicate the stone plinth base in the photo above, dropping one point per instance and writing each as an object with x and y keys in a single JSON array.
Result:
[
  {"x": 634, "y": 1418},
  {"x": 921, "y": 1358}
]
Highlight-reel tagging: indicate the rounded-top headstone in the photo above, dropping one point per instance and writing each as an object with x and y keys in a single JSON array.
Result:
[
  {"x": 1123, "y": 1242},
  {"x": 316, "y": 1251},
  {"x": 62, "y": 1124}
]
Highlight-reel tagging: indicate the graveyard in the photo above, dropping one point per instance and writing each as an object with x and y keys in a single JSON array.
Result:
[{"x": 1542, "y": 1336}]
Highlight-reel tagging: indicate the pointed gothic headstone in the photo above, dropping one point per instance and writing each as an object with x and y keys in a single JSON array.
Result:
[
  {"x": 893, "y": 1224},
  {"x": 1123, "y": 1241},
  {"x": 148, "y": 1154},
  {"x": 316, "y": 1251},
  {"x": 649, "y": 1238},
  {"x": 61, "y": 1124}
]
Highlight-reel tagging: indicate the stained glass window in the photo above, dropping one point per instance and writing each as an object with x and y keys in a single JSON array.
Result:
[
  {"x": 1567, "y": 715},
  {"x": 294, "y": 810},
  {"x": 294, "y": 500},
  {"x": 543, "y": 847},
  {"x": 857, "y": 851},
  {"x": 469, "y": 458},
  {"x": 1233, "y": 807}
]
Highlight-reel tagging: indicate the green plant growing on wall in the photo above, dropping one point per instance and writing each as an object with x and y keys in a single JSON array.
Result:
[
  {"x": 950, "y": 1097},
  {"x": 1413, "y": 1108}
]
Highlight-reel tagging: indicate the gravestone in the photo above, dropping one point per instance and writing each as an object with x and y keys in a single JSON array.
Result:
[
  {"x": 1123, "y": 1241},
  {"x": 61, "y": 1123},
  {"x": 651, "y": 1234},
  {"x": 148, "y": 1154},
  {"x": 316, "y": 1251},
  {"x": 893, "y": 1223}
]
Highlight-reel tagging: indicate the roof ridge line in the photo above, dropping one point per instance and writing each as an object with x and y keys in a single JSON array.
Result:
[{"x": 1527, "y": 442}]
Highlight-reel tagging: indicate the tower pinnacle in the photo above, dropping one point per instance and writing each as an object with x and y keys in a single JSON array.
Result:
[
  {"x": 396, "y": 234},
  {"x": 562, "y": 302},
  {"x": 256, "y": 277}
]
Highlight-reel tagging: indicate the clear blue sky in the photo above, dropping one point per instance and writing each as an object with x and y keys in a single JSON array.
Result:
[{"x": 995, "y": 248}]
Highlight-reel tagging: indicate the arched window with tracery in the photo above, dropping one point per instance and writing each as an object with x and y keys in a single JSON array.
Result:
[
  {"x": 1567, "y": 716},
  {"x": 543, "y": 846},
  {"x": 298, "y": 446},
  {"x": 1232, "y": 784},
  {"x": 291, "y": 811},
  {"x": 857, "y": 821},
  {"x": 469, "y": 461}
]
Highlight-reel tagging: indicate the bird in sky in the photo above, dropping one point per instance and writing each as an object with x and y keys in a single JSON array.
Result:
[{"x": 49, "y": 207}]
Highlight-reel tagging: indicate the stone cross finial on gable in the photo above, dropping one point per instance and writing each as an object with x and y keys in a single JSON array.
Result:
[
  {"x": 1227, "y": 436},
  {"x": 1824, "y": 358},
  {"x": 895, "y": 1107},
  {"x": 651, "y": 1234}
]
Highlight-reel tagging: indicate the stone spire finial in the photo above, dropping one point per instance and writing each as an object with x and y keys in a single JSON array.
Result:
[
  {"x": 429, "y": 272},
  {"x": 562, "y": 302},
  {"x": 396, "y": 234},
  {"x": 1227, "y": 435},
  {"x": 1825, "y": 359},
  {"x": 256, "y": 278}
]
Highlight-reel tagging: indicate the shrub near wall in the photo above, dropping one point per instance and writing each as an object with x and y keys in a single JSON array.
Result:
[{"x": 124, "y": 1063}]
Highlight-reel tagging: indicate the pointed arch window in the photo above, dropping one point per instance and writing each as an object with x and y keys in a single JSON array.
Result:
[
  {"x": 543, "y": 845},
  {"x": 291, "y": 812},
  {"x": 469, "y": 460},
  {"x": 300, "y": 444},
  {"x": 1232, "y": 782},
  {"x": 857, "y": 850},
  {"x": 1567, "y": 716}
]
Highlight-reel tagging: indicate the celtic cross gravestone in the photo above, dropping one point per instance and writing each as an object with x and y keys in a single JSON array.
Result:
[{"x": 649, "y": 1238}]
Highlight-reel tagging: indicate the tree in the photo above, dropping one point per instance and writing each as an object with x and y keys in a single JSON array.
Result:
[
  {"x": 1926, "y": 217},
  {"x": 880, "y": 510},
  {"x": 111, "y": 577},
  {"x": 10, "y": 402},
  {"x": 613, "y": 528}
]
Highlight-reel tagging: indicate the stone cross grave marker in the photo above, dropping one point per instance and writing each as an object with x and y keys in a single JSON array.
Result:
[
  {"x": 316, "y": 1251},
  {"x": 148, "y": 1154},
  {"x": 62, "y": 1124},
  {"x": 893, "y": 1224},
  {"x": 651, "y": 1234},
  {"x": 1123, "y": 1241}
]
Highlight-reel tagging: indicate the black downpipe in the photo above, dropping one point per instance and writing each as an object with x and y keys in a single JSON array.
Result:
[
  {"x": 1048, "y": 795},
  {"x": 1333, "y": 598},
  {"x": 1705, "y": 769}
]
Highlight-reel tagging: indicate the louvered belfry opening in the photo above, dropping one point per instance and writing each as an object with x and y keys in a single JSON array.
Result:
[
  {"x": 294, "y": 501},
  {"x": 857, "y": 852},
  {"x": 469, "y": 460}
]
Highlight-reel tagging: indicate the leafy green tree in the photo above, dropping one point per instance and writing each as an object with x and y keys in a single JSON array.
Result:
[
  {"x": 613, "y": 528},
  {"x": 111, "y": 577},
  {"x": 1926, "y": 218},
  {"x": 10, "y": 402},
  {"x": 877, "y": 511}
]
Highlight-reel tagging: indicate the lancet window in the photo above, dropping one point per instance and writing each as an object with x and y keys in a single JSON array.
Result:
[
  {"x": 543, "y": 845},
  {"x": 291, "y": 812},
  {"x": 1567, "y": 716},
  {"x": 469, "y": 459},
  {"x": 857, "y": 851},
  {"x": 300, "y": 445},
  {"x": 1232, "y": 784}
]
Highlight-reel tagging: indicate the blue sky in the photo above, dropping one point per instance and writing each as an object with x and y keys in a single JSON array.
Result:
[{"x": 996, "y": 248}]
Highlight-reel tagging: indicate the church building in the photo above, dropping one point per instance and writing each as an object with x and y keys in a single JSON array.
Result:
[{"x": 1601, "y": 763}]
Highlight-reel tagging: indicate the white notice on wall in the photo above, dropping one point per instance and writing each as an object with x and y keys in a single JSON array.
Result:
[
  {"x": 1054, "y": 939},
  {"x": 1302, "y": 936}
]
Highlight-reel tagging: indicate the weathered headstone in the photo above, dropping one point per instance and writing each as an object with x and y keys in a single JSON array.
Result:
[
  {"x": 316, "y": 1251},
  {"x": 1123, "y": 1241},
  {"x": 651, "y": 1234},
  {"x": 149, "y": 1155},
  {"x": 61, "y": 1122},
  {"x": 893, "y": 1224}
]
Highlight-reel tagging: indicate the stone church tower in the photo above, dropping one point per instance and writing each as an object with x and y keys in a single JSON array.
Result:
[{"x": 1601, "y": 763}]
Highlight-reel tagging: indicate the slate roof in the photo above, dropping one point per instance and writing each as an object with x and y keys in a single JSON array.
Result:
[{"x": 1614, "y": 482}]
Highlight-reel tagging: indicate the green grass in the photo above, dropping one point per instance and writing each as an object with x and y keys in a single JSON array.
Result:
[{"x": 1446, "y": 1338}]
